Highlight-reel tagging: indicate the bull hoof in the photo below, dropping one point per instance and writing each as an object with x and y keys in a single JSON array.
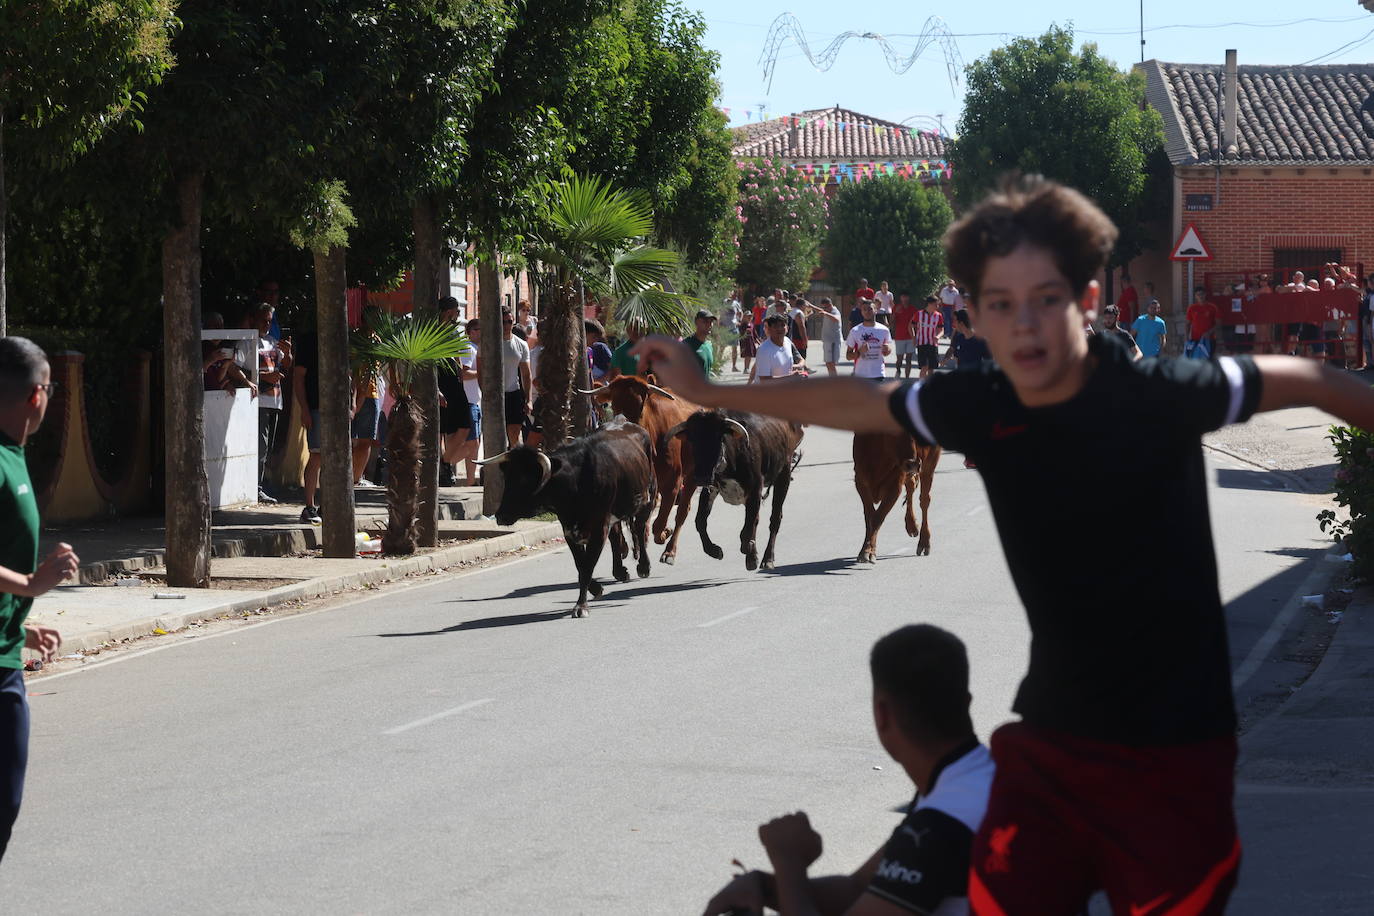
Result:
[
  {"x": 580, "y": 611},
  {"x": 923, "y": 549},
  {"x": 595, "y": 590},
  {"x": 766, "y": 564},
  {"x": 643, "y": 569},
  {"x": 714, "y": 552},
  {"x": 661, "y": 537},
  {"x": 751, "y": 562},
  {"x": 668, "y": 559},
  {"x": 622, "y": 575},
  {"x": 867, "y": 556}
]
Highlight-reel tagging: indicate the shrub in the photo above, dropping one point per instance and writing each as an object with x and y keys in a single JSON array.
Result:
[
  {"x": 1355, "y": 491},
  {"x": 782, "y": 220}
]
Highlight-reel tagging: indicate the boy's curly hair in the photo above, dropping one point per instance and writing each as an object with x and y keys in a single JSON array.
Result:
[{"x": 1032, "y": 209}]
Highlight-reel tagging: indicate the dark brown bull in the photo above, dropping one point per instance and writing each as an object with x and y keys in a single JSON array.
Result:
[
  {"x": 885, "y": 464},
  {"x": 640, "y": 401}
]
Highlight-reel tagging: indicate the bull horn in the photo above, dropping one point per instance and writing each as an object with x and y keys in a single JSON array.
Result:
[
  {"x": 737, "y": 429},
  {"x": 588, "y": 391},
  {"x": 676, "y": 430},
  {"x": 499, "y": 459},
  {"x": 545, "y": 467},
  {"x": 667, "y": 394}
]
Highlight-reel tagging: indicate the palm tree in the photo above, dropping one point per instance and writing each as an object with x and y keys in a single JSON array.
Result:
[
  {"x": 403, "y": 348},
  {"x": 592, "y": 240}
]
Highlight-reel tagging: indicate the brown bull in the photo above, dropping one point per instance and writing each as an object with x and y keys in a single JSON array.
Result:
[
  {"x": 640, "y": 401},
  {"x": 884, "y": 465}
]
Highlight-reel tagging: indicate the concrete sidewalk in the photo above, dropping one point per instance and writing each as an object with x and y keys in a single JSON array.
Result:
[{"x": 264, "y": 556}]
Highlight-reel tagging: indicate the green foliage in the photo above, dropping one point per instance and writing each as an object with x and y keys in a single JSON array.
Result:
[
  {"x": 403, "y": 346},
  {"x": 701, "y": 220},
  {"x": 888, "y": 228},
  {"x": 783, "y": 219},
  {"x": 592, "y": 234},
  {"x": 1038, "y": 106},
  {"x": 1354, "y": 490},
  {"x": 325, "y": 221}
]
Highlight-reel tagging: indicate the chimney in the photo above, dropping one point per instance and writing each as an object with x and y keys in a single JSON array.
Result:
[{"x": 1229, "y": 149}]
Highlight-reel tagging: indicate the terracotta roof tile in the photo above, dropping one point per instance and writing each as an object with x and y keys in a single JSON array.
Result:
[
  {"x": 836, "y": 133},
  {"x": 1284, "y": 114}
]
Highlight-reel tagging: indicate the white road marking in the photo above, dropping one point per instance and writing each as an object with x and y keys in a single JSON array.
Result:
[
  {"x": 739, "y": 613},
  {"x": 1259, "y": 652},
  {"x": 437, "y": 716}
]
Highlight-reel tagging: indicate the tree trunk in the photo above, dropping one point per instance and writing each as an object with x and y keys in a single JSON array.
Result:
[
  {"x": 4, "y": 225},
  {"x": 187, "y": 487},
  {"x": 491, "y": 378},
  {"x": 336, "y": 404},
  {"x": 429, "y": 256},
  {"x": 403, "y": 476},
  {"x": 557, "y": 364}
]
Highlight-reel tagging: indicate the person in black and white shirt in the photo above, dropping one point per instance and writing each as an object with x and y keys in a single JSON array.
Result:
[{"x": 921, "y": 712}]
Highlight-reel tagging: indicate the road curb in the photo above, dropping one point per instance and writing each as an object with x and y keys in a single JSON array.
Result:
[
  {"x": 1295, "y": 483},
  {"x": 387, "y": 570}
]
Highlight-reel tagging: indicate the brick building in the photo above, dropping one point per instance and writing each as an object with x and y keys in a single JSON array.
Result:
[{"x": 1273, "y": 164}]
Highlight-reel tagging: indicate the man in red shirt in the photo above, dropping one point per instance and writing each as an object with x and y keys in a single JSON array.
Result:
[
  {"x": 904, "y": 333},
  {"x": 1128, "y": 303},
  {"x": 1202, "y": 326},
  {"x": 864, "y": 291}
]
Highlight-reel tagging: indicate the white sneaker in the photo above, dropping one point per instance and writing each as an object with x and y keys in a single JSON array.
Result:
[{"x": 365, "y": 484}]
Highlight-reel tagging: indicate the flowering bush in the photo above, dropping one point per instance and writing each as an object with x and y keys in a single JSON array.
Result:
[
  {"x": 782, "y": 221},
  {"x": 1355, "y": 491}
]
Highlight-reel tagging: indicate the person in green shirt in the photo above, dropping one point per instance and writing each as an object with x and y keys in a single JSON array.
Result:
[
  {"x": 25, "y": 387},
  {"x": 700, "y": 342},
  {"x": 622, "y": 363}
]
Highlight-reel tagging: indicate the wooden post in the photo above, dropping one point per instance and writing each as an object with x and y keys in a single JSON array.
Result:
[
  {"x": 336, "y": 403},
  {"x": 187, "y": 488},
  {"x": 491, "y": 378},
  {"x": 429, "y": 253}
]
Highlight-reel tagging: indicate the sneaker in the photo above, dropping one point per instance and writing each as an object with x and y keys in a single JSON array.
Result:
[
  {"x": 365, "y": 484},
  {"x": 310, "y": 514},
  {"x": 264, "y": 498}
]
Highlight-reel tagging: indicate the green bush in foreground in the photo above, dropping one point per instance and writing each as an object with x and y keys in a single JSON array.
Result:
[{"x": 1355, "y": 491}]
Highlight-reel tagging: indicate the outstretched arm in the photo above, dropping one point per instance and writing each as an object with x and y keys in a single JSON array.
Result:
[
  {"x": 841, "y": 403},
  {"x": 1287, "y": 381}
]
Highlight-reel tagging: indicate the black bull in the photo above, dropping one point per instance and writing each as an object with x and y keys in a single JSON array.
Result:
[
  {"x": 592, "y": 484},
  {"x": 738, "y": 455}
]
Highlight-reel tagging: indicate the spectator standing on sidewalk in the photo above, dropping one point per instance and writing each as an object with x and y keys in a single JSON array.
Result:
[
  {"x": 1111, "y": 327},
  {"x": 796, "y": 330},
  {"x": 597, "y": 350},
  {"x": 367, "y": 407},
  {"x": 25, "y": 389},
  {"x": 518, "y": 380},
  {"x": 1202, "y": 326},
  {"x": 882, "y": 304},
  {"x": 305, "y": 391},
  {"x": 864, "y": 291},
  {"x": 622, "y": 363},
  {"x": 1149, "y": 330},
  {"x": 731, "y": 317},
  {"x": 274, "y": 366}
]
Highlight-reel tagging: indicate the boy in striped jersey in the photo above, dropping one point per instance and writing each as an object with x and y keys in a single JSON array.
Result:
[{"x": 928, "y": 323}]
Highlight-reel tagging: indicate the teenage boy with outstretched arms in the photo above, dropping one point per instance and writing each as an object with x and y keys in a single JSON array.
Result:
[{"x": 1120, "y": 773}]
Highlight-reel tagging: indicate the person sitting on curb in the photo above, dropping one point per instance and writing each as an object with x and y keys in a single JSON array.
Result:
[{"x": 920, "y": 709}]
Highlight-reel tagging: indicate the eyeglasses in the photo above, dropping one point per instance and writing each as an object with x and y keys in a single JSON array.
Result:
[{"x": 48, "y": 388}]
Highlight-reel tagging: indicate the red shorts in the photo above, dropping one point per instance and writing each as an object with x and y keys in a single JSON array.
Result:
[{"x": 1154, "y": 827}]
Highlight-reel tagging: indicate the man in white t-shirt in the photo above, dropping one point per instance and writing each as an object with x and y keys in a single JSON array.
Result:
[
  {"x": 777, "y": 357},
  {"x": 868, "y": 344},
  {"x": 950, "y": 302},
  {"x": 516, "y": 366}
]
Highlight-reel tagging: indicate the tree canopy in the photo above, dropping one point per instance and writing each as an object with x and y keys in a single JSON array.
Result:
[
  {"x": 887, "y": 228},
  {"x": 1038, "y": 106},
  {"x": 782, "y": 220}
]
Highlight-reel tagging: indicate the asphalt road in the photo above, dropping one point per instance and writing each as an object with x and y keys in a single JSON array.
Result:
[{"x": 466, "y": 747}]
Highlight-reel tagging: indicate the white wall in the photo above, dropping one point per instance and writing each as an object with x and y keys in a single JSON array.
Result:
[{"x": 231, "y": 429}]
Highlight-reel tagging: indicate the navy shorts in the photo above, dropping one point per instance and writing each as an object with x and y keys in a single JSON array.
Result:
[
  {"x": 365, "y": 420},
  {"x": 14, "y": 748}
]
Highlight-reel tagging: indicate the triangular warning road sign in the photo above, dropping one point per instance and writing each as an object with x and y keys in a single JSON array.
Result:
[{"x": 1190, "y": 246}]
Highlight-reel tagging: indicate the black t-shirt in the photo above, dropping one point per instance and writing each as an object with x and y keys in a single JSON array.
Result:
[
  {"x": 925, "y": 864},
  {"x": 1131, "y": 652},
  {"x": 969, "y": 351},
  {"x": 308, "y": 358}
]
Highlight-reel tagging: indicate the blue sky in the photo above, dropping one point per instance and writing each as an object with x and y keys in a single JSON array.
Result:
[{"x": 862, "y": 80}]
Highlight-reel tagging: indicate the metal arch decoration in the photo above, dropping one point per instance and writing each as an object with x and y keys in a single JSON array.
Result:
[{"x": 935, "y": 30}]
